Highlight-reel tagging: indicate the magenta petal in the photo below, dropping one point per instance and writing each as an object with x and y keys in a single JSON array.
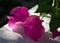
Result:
[
  {"x": 33, "y": 27},
  {"x": 18, "y": 28},
  {"x": 12, "y": 21},
  {"x": 15, "y": 24},
  {"x": 32, "y": 20},
  {"x": 55, "y": 33},
  {"x": 20, "y": 12}
]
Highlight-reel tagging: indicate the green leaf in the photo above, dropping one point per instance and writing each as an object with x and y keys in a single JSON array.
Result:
[
  {"x": 45, "y": 6},
  {"x": 55, "y": 20},
  {"x": 58, "y": 4},
  {"x": 43, "y": 14},
  {"x": 54, "y": 23},
  {"x": 58, "y": 13},
  {"x": 55, "y": 13},
  {"x": 45, "y": 2}
]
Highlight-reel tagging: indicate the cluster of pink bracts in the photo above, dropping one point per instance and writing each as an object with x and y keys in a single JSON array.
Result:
[
  {"x": 31, "y": 24},
  {"x": 55, "y": 33}
]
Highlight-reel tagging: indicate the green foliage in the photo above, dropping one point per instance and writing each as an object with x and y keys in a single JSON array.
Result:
[
  {"x": 54, "y": 24},
  {"x": 45, "y": 6}
]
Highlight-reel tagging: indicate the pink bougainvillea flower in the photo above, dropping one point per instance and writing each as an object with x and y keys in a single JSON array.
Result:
[
  {"x": 33, "y": 27},
  {"x": 32, "y": 24},
  {"x": 19, "y": 14},
  {"x": 55, "y": 33}
]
